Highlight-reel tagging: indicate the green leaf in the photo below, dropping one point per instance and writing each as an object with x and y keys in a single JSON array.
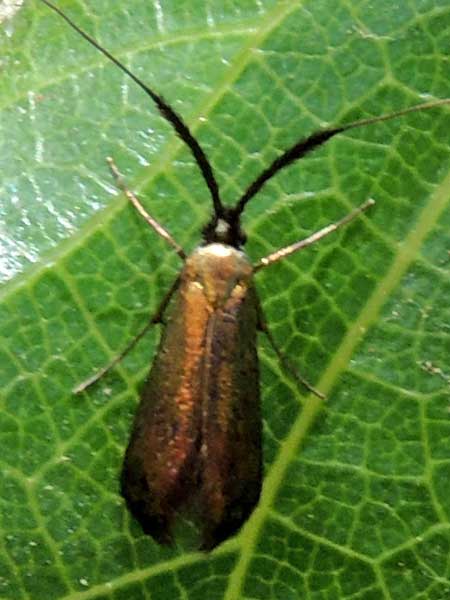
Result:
[{"x": 356, "y": 493}]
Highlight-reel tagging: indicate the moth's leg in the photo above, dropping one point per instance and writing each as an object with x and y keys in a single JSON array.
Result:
[
  {"x": 285, "y": 362},
  {"x": 313, "y": 238},
  {"x": 160, "y": 230},
  {"x": 156, "y": 318},
  {"x": 286, "y": 251}
]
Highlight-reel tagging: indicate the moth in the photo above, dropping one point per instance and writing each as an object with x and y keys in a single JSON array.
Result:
[{"x": 195, "y": 448}]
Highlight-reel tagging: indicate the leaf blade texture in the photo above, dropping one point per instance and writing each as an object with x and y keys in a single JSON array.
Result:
[{"x": 355, "y": 500}]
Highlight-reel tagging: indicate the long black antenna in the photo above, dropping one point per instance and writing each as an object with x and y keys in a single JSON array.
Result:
[
  {"x": 167, "y": 112},
  {"x": 304, "y": 146}
]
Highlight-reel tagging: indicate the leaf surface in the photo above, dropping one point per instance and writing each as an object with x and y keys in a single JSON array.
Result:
[{"x": 355, "y": 501}]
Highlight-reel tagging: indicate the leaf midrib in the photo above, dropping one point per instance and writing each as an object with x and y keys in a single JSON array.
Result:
[{"x": 407, "y": 252}]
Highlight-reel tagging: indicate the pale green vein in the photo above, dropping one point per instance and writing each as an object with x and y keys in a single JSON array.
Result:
[
  {"x": 320, "y": 540},
  {"x": 136, "y": 576},
  {"x": 164, "y": 158},
  {"x": 406, "y": 254},
  {"x": 245, "y": 29}
]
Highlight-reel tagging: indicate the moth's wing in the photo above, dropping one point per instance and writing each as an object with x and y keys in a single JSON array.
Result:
[
  {"x": 161, "y": 466},
  {"x": 231, "y": 451},
  {"x": 195, "y": 448}
]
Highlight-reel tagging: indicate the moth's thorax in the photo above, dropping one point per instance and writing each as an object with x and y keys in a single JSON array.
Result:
[{"x": 219, "y": 270}]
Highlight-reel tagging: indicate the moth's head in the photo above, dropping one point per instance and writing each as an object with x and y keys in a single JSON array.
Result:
[{"x": 224, "y": 229}]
